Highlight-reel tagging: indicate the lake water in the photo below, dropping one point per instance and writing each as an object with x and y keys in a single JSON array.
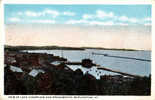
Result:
[{"x": 131, "y": 66}]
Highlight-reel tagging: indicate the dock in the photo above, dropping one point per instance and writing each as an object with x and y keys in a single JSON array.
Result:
[{"x": 102, "y": 68}]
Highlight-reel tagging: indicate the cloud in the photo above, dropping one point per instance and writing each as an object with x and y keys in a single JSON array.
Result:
[
  {"x": 77, "y": 22},
  {"x": 94, "y": 22},
  {"x": 20, "y": 13},
  {"x": 147, "y": 19},
  {"x": 14, "y": 19},
  {"x": 69, "y": 13},
  {"x": 143, "y": 21},
  {"x": 123, "y": 18},
  {"x": 127, "y": 19},
  {"x": 133, "y": 20},
  {"x": 123, "y": 24},
  {"x": 43, "y": 21},
  {"x": 32, "y": 14},
  {"x": 45, "y": 12},
  {"x": 87, "y": 16},
  {"x": 103, "y": 14},
  {"x": 101, "y": 23},
  {"x": 54, "y": 13},
  {"x": 147, "y": 24},
  {"x": 100, "y": 14}
]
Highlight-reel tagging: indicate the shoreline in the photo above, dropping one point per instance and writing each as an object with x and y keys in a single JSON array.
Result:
[{"x": 17, "y": 48}]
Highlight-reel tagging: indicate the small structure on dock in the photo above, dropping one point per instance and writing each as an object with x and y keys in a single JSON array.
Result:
[{"x": 87, "y": 63}]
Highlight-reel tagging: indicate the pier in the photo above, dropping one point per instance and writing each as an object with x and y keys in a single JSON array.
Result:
[{"x": 107, "y": 55}]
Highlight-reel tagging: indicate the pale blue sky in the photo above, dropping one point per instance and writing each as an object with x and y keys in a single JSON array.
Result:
[{"x": 78, "y": 14}]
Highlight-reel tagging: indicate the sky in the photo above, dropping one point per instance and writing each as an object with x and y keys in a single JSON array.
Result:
[
  {"x": 109, "y": 26},
  {"x": 79, "y": 14}
]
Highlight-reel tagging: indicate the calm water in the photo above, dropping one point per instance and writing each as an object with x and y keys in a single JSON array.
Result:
[{"x": 132, "y": 66}]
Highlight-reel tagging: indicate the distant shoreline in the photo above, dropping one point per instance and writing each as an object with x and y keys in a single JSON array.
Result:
[{"x": 17, "y": 48}]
